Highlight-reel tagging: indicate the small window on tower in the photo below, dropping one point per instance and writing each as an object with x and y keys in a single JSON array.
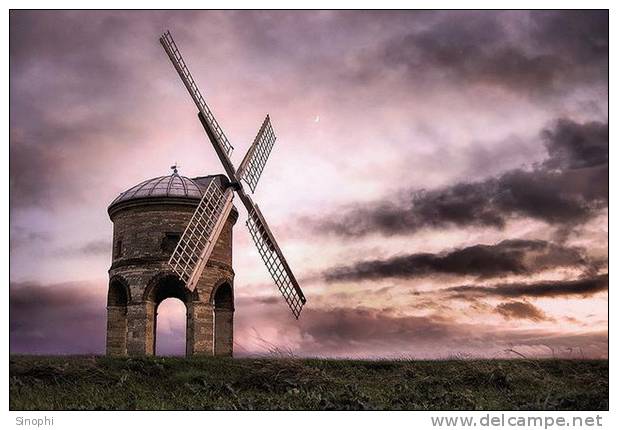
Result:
[
  {"x": 118, "y": 249},
  {"x": 169, "y": 242}
]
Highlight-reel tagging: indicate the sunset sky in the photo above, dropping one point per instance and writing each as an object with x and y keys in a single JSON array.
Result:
[{"x": 439, "y": 184}]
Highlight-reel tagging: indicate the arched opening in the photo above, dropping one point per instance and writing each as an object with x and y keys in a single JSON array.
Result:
[
  {"x": 169, "y": 296},
  {"x": 117, "y": 301},
  {"x": 223, "y": 302},
  {"x": 171, "y": 328},
  {"x": 118, "y": 293},
  {"x": 224, "y": 298}
]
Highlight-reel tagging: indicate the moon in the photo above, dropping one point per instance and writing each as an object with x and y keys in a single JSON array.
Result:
[{"x": 317, "y": 118}]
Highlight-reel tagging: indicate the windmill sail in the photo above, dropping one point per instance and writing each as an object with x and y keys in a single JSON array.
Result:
[
  {"x": 200, "y": 236},
  {"x": 275, "y": 261},
  {"x": 253, "y": 164},
  {"x": 179, "y": 64},
  {"x": 198, "y": 240}
]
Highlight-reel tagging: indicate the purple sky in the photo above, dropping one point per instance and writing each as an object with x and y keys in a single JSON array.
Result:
[{"x": 439, "y": 184}]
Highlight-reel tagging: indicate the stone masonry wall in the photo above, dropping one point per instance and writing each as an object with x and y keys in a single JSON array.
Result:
[
  {"x": 142, "y": 257},
  {"x": 116, "y": 330}
]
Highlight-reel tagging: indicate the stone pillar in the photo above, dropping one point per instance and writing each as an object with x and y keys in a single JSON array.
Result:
[
  {"x": 116, "y": 344},
  {"x": 151, "y": 327},
  {"x": 224, "y": 332},
  {"x": 141, "y": 329},
  {"x": 199, "y": 328}
]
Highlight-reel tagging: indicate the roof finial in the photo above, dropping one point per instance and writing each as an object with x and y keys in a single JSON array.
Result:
[{"x": 175, "y": 168}]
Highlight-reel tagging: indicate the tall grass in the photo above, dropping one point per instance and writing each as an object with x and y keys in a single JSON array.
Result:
[{"x": 288, "y": 382}]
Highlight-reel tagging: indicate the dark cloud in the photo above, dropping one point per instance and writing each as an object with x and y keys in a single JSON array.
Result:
[
  {"x": 582, "y": 36},
  {"x": 371, "y": 332},
  {"x": 580, "y": 287},
  {"x": 509, "y": 257},
  {"x": 79, "y": 82},
  {"x": 44, "y": 146},
  {"x": 349, "y": 332},
  {"x": 20, "y": 236},
  {"x": 70, "y": 318},
  {"x": 515, "y": 50},
  {"x": 100, "y": 68},
  {"x": 554, "y": 192},
  {"x": 81, "y": 102},
  {"x": 520, "y": 310},
  {"x": 92, "y": 248},
  {"x": 470, "y": 48},
  {"x": 346, "y": 331},
  {"x": 573, "y": 146},
  {"x": 64, "y": 318},
  {"x": 257, "y": 301},
  {"x": 96, "y": 247},
  {"x": 350, "y": 326}
]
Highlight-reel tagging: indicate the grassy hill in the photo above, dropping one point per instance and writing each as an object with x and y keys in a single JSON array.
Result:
[{"x": 217, "y": 383}]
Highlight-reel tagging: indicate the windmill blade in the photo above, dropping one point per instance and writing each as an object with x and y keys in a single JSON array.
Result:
[
  {"x": 253, "y": 164},
  {"x": 179, "y": 64},
  {"x": 275, "y": 261},
  {"x": 199, "y": 238}
]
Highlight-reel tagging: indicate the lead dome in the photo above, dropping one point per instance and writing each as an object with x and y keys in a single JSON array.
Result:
[{"x": 172, "y": 186}]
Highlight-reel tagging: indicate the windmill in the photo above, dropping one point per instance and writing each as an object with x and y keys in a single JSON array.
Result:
[{"x": 200, "y": 236}]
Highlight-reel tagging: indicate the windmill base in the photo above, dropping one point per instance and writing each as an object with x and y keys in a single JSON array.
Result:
[{"x": 140, "y": 279}]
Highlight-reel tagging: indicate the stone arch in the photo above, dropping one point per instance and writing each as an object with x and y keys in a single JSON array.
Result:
[
  {"x": 222, "y": 301},
  {"x": 162, "y": 286},
  {"x": 165, "y": 285},
  {"x": 118, "y": 299},
  {"x": 222, "y": 291},
  {"x": 118, "y": 293}
]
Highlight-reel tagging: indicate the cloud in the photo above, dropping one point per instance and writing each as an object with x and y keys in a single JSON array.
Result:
[
  {"x": 517, "y": 51},
  {"x": 520, "y": 310},
  {"x": 581, "y": 36},
  {"x": 92, "y": 248},
  {"x": 554, "y": 192},
  {"x": 473, "y": 48},
  {"x": 82, "y": 90},
  {"x": 509, "y": 257},
  {"x": 352, "y": 325},
  {"x": 580, "y": 287},
  {"x": 81, "y": 83},
  {"x": 63, "y": 318},
  {"x": 20, "y": 236},
  {"x": 61, "y": 63},
  {"x": 574, "y": 146},
  {"x": 69, "y": 318},
  {"x": 373, "y": 332}
]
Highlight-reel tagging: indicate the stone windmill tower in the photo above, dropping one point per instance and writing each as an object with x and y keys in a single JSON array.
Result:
[
  {"x": 173, "y": 238},
  {"x": 149, "y": 220}
]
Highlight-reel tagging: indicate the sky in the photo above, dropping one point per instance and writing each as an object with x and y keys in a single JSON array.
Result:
[{"x": 439, "y": 183}]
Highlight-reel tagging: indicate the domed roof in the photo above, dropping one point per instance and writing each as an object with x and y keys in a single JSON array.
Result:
[{"x": 172, "y": 186}]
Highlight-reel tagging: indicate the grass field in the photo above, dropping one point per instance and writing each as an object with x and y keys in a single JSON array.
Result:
[{"x": 94, "y": 383}]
